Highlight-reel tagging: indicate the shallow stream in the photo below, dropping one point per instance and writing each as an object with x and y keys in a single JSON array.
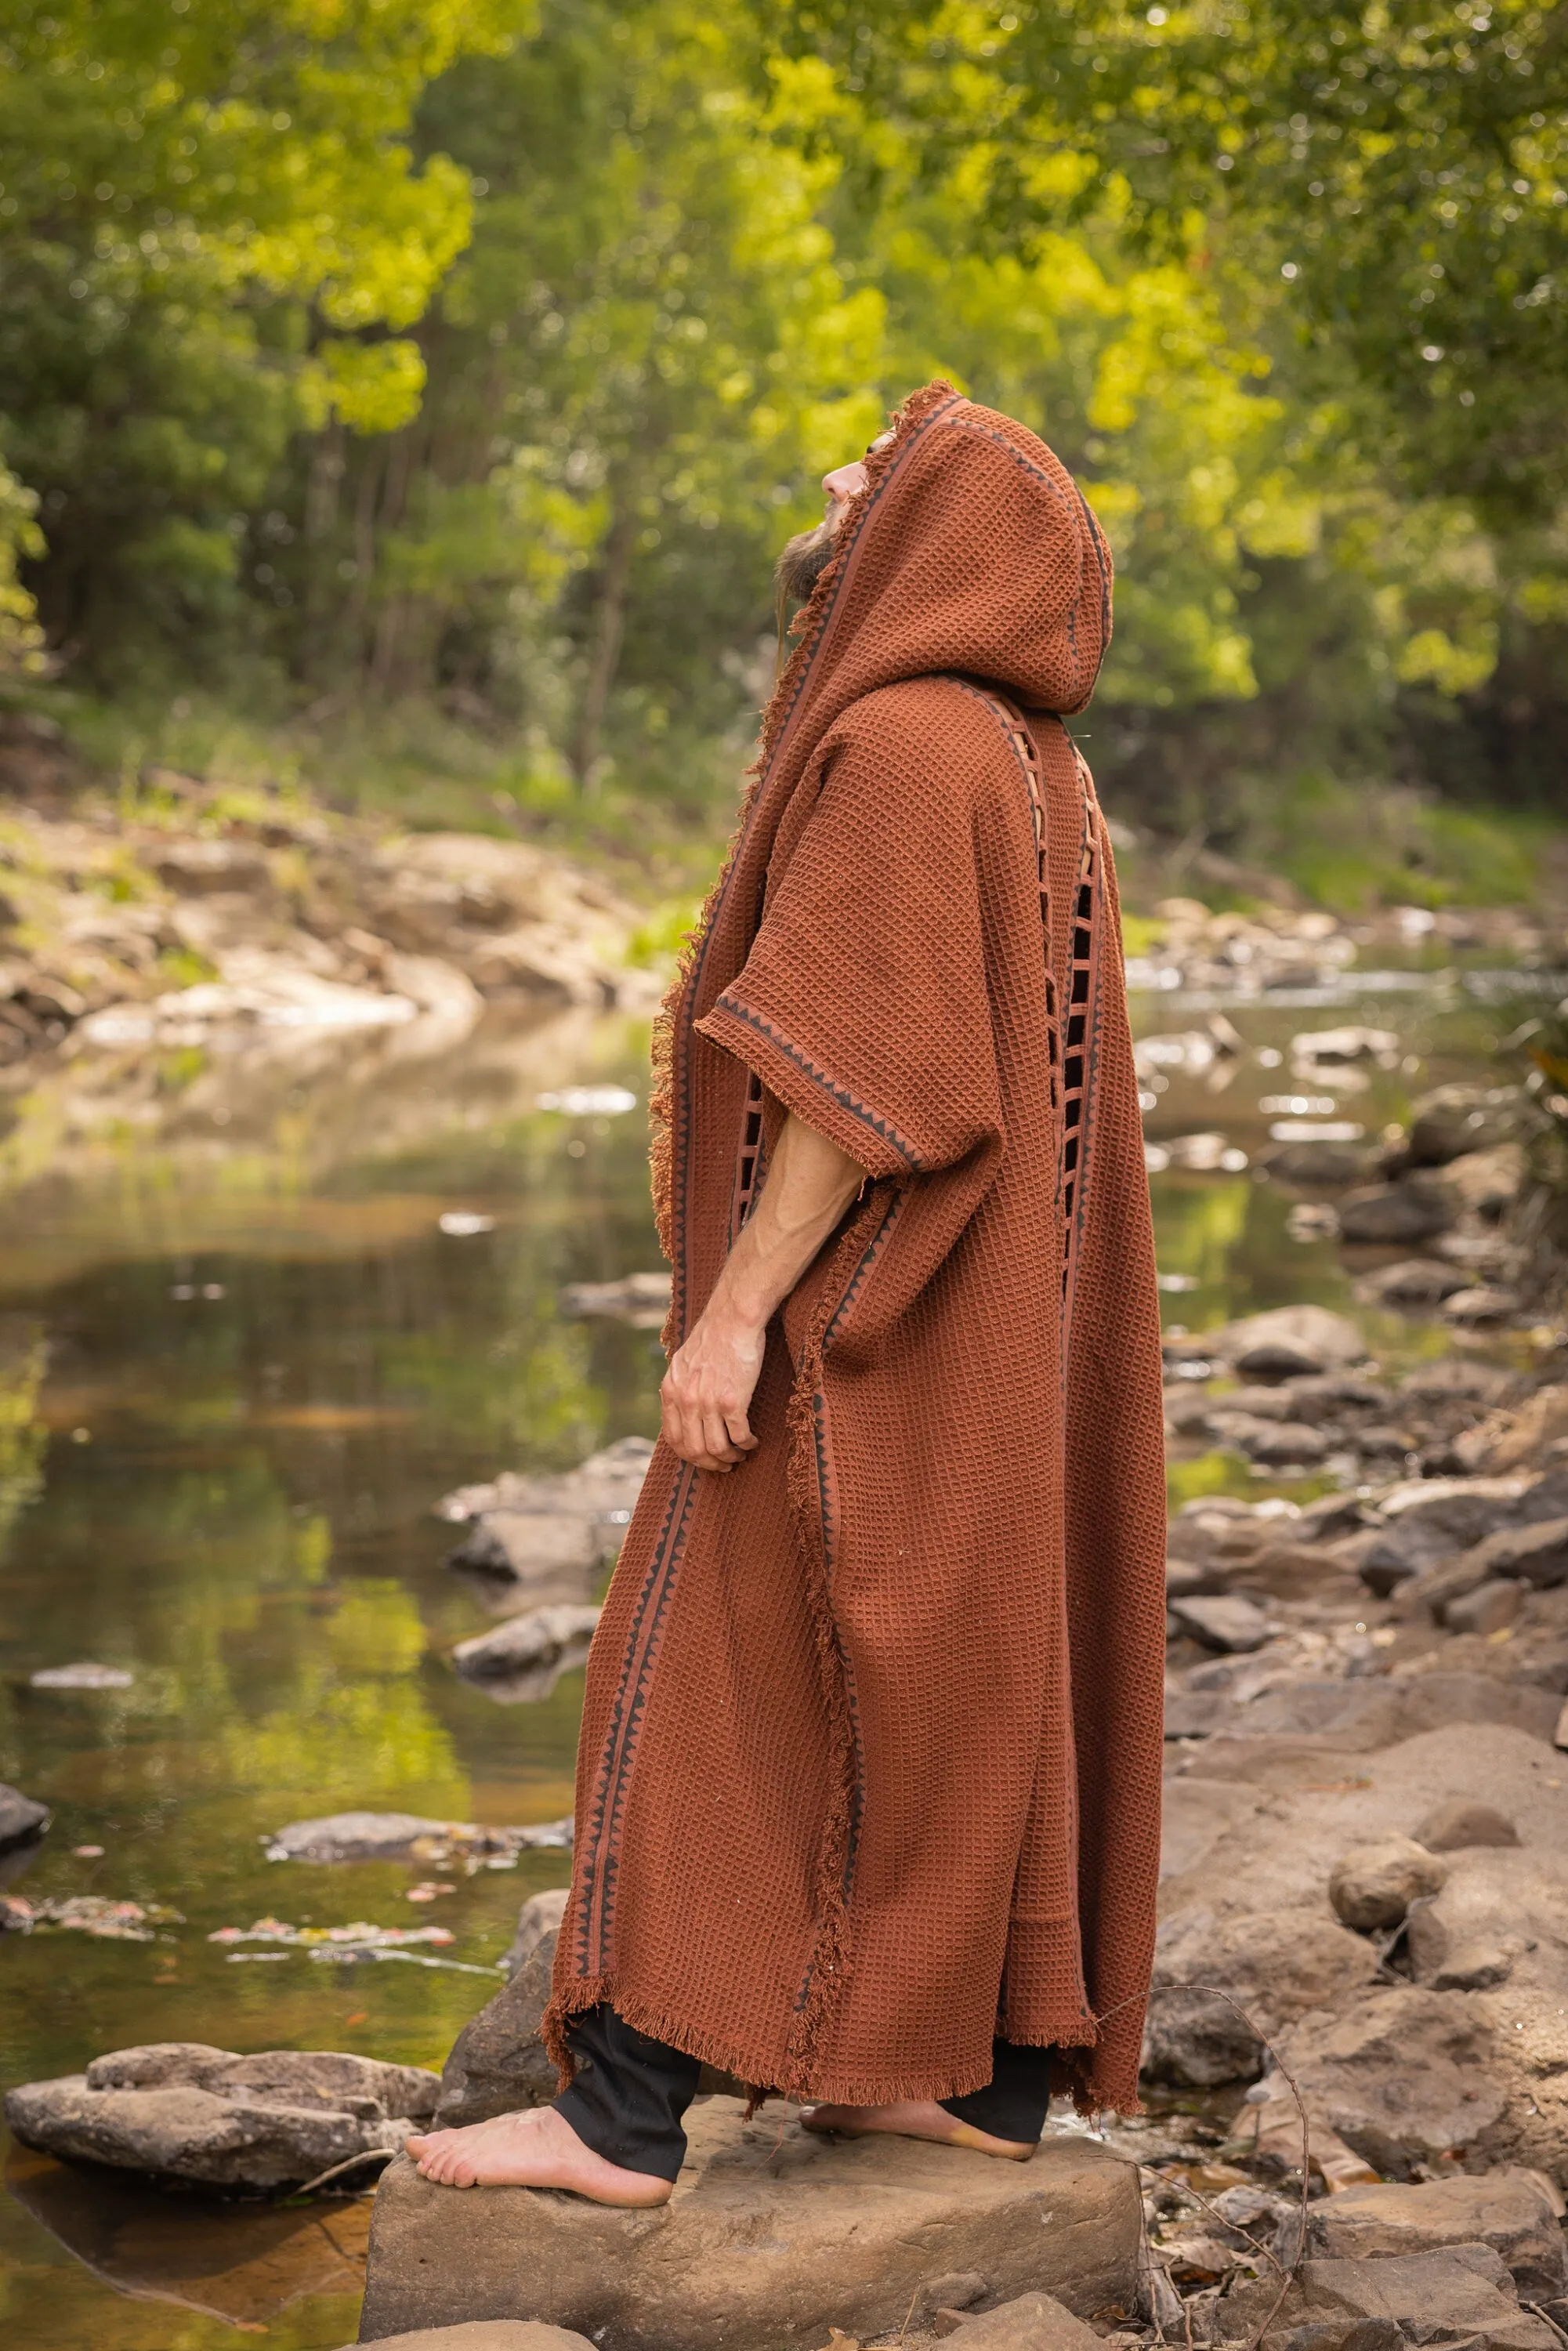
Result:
[{"x": 240, "y": 1359}]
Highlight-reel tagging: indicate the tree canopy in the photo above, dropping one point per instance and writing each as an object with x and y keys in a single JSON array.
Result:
[{"x": 375, "y": 352}]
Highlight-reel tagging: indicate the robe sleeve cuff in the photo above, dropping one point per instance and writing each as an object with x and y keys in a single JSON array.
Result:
[{"x": 813, "y": 1093}]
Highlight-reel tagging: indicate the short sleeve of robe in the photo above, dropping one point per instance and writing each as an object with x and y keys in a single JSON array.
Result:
[{"x": 862, "y": 1006}]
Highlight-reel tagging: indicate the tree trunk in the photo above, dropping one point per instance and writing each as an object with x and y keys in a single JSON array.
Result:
[{"x": 609, "y": 626}]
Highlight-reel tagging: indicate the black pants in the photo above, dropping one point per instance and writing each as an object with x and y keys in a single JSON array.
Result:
[{"x": 630, "y": 2094}]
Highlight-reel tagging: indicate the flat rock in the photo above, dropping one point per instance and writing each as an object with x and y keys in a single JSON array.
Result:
[
  {"x": 1511, "y": 2211},
  {"x": 182, "y": 2110},
  {"x": 487, "y": 2335},
  {"x": 1373, "y": 1886},
  {"x": 525, "y": 1656},
  {"x": 1452, "y": 1119},
  {"x": 407, "y": 1836},
  {"x": 20, "y": 1818},
  {"x": 1224, "y": 1621},
  {"x": 605, "y": 1487},
  {"x": 1460, "y": 2292},
  {"x": 771, "y": 2235},
  {"x": 1394, "y": 1214},
  {"x": 85, "y": 1674},
  {"x": 1412, "y": 1281},
  {"x": 1031, "y": 2321}
]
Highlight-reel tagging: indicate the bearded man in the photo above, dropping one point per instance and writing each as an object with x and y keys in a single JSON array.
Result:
[{"x": 868, "y": 1786}]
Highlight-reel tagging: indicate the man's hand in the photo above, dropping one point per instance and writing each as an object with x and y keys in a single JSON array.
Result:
[
  {"x": 707, "y": 1389},
  {"x": 707, "y": 1392}
]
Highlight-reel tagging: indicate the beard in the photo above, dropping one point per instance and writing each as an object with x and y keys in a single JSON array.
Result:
[{"x": 804, "y": 559}]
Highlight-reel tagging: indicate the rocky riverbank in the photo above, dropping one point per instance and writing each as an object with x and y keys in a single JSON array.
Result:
[{"x": 192, "y": 913}]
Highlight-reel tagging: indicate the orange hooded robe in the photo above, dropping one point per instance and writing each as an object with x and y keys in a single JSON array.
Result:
[{"x": 870, "y": 1759}]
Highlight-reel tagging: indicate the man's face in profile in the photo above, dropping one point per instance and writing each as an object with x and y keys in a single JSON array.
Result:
[{"x": 807, "y": 555}]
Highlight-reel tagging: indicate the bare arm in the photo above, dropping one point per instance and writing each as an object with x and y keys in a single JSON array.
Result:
[{"x": 707, "y": 1392}]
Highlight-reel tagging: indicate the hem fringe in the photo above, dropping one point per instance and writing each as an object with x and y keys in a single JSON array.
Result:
[{"x": 764, "y": 2077}]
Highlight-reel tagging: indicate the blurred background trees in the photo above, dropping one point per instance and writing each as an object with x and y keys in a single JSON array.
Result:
[{"x": 433, "y": 384}]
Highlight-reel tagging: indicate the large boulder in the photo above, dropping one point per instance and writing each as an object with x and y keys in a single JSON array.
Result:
[
  {"x": 1513, "y": 2211},
  {"x": 1459, "y": 2294},
  {"x": 182, "y": 2110},
  {"x": 498, "y": 2061},
  {"x": 772, "y": 2235}
]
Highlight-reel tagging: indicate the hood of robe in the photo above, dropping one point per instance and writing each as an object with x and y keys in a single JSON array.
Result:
[{"x": 972, "y": 550}]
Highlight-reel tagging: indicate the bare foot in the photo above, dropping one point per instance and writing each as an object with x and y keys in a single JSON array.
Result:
[
  {"x": 913, "y": 2118},
  {"x": 536, "y": 2148}
]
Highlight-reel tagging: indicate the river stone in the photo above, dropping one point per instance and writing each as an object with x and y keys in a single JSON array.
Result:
[
  {"x": 1483, "y": 1304},
  {"x": 1486, "y": 1609},
  {"x": 1538, "y": 1553},
  {"x": 1413, "y": 1281},
  {"x": 1457, "y": 2294},
  {"x": 487, "y": 2335},
  {"x": 525, "y": 1656},
  {"x": 182, "y": 2110},
  {"x": 1318, "y": 1161},
  {"x": 1291, "y": 1339},
  {"x": 771, "y": 2235},
  {"x": 1373, "y": 1885},
  {"x": 1223, "y": 1621},
  {"x": 20, "y": 1818},
  {"x": 1199, "y": 2041},
  {"x": 1449, "y": 1827},
  {"x": 604, "y": 1487},
  {"x": 1395, "y": 1214},
  {"x": 1032, "y": 2322},
  {"x": 1511, "y": 2211},
  {"x": 1452, "y": 1119},
  {"x": 528, "y": 1545}
]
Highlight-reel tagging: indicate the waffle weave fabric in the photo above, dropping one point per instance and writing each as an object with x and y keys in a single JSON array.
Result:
[{"x": 869, "y": 1761}]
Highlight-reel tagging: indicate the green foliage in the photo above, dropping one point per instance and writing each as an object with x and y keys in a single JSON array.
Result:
[
  {"x": 449, "y": 374},
  {"x": 212, "y": 232}
]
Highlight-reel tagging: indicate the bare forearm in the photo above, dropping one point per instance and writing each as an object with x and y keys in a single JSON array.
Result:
[
  {"x": 706, "y": 1393},
  {"x": 810, "y": 1184}
]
